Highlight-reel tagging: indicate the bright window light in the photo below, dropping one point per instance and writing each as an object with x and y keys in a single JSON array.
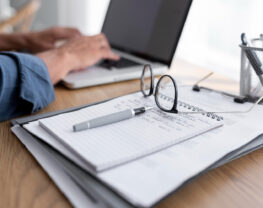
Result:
[{"x": 212, "y": 33}]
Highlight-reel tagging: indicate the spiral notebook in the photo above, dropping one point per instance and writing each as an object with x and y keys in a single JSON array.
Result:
[{"x": 112, "y": 145}]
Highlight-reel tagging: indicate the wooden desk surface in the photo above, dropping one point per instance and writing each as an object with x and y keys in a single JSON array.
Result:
[{"x": 23, "y": 183}]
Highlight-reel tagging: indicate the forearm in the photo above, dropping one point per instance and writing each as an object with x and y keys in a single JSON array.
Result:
[{"x": 13, "y": 42}]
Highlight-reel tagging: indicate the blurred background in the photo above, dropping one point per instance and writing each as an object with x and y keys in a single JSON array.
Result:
[{"x": 210, "y": 38}]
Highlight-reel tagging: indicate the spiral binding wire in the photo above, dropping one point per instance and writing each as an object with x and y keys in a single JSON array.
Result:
[{"x": 196, "y": 110}]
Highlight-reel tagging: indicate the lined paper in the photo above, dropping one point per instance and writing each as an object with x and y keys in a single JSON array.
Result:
[{"x": 108, "y": 146}]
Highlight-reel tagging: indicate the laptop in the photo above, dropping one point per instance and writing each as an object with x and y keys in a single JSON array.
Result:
[{"x": 141, "y": 32}]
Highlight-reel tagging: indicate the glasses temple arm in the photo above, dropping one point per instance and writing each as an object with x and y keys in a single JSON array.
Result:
[{"x": 204, "y": 78}]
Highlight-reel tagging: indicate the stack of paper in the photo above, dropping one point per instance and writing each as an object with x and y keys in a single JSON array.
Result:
[{"x": 145, "y": 181}]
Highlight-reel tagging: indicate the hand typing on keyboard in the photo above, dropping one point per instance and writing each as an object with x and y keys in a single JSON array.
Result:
[{"x": 78, "y": 53}]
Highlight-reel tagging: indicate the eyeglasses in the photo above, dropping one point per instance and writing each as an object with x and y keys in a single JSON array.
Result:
[{"x": 166, "y": 94}]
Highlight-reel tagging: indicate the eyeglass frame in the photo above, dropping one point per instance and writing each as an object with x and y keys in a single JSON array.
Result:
[{"x": 154, "y": 93}]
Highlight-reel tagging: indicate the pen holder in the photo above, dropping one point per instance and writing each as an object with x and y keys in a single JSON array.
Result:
[{"x": 250, "y": 85}]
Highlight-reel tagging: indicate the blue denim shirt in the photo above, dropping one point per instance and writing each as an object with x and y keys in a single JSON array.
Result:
[{"x": 25, "y": 85}]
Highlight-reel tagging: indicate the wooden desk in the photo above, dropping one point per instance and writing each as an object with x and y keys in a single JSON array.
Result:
[{"x": 23, "y": 183}]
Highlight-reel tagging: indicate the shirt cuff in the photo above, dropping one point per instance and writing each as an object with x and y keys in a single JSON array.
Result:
[{"x": 36, "y": 87}]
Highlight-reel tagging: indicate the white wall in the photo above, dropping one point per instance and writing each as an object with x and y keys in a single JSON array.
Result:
[
  {"x": 212, "y": 33},
  {"x": 6, "y": 10},
  {"x": 47, "y": 16},
  {"x": 86, "y": 15}
]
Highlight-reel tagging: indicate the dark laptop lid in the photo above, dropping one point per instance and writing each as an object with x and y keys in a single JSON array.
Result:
[{"x": 150, "y": 29}]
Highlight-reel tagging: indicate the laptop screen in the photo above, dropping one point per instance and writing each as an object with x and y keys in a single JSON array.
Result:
[{"x": 147, "y": 28}]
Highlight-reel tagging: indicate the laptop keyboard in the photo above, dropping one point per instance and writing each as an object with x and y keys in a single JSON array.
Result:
[{"x": 121, "y": 63}]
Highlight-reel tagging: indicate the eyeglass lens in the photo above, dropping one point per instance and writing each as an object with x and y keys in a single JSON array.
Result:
[
  {"x": 165, "y": 93},
  {"x": 147, "y": 81}
]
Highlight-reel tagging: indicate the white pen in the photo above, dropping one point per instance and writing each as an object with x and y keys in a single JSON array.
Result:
[{"x": 110, "y": 118}]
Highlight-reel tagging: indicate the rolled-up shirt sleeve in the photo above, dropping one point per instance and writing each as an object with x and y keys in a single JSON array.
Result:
[{"x": 25, "y": 85}]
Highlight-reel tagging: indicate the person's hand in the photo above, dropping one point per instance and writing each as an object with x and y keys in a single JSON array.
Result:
[
  {"x": 87, "y": 51},
  {"x": 46, "y": 39},
  {"x": 76, "y": 54}
]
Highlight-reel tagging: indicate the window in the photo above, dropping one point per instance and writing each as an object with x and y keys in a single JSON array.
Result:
[{"x": 212, "y": 33}]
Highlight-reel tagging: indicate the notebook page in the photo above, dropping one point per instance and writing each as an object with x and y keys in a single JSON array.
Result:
[{"x": 115, "y": 144}]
